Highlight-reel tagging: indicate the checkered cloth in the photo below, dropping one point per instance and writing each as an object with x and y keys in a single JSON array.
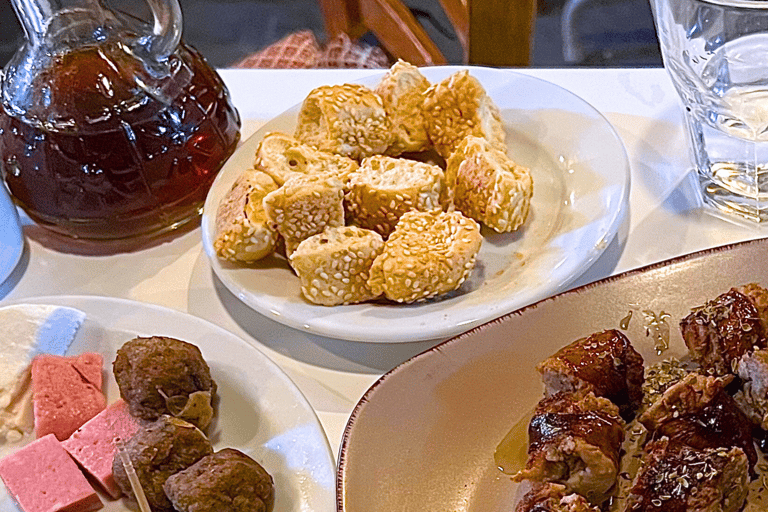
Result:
[{"x": 301, "y": 50}]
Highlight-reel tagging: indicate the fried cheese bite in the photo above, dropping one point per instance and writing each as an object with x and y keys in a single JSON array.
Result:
[
  {"x": 384, "y": 188},
  {"x": 725, "y": 328},
  {"x": 305, "y": 206},
  {"x": 347, "y": 120},
  {"x": 575, "y": 440},
  {"x": 402, "y": 91},
  {"x": 698, "y": 412},
  {"x": 427, "y": 255},
  {"x": 676, "y": 477},
  {"x": 334, "y": 265},
  {"x": 488, "y": 186},
  {"x": 281, "y": 156},
  {"x": 459, "y": 106},
  {"x": 604, "y": 363},
  {"x": 243, "y": 232}
]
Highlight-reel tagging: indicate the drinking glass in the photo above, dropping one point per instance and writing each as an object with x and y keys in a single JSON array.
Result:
[{"x": 716, "y": 53}]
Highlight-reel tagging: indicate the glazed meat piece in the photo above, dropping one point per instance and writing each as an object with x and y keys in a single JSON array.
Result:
[
  {"x": 226, "y": 481},
  {"x": 718, "y": 333},
  {"x": 163, "y": 448},
  {"x": 678, "y": 478},
  {"x": 161, "y": 375},
  {"x": 697, "y": 411},
  {"x": 604, "y": 363},
  {"x": 551, "y": 497},
  {"x": 575, "y": 439},
  {"x": 753, "y": 397}
]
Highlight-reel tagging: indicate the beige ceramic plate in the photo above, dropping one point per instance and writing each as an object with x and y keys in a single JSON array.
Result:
[
  {"x": 581, "y": 185},
  {"x": 424, "y": 435}
]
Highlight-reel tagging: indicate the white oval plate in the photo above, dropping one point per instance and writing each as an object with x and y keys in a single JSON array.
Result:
[
  {"x": 11, "y": 239},
  {"x": 581, "y": 189},
  {"x": 260, "y": 410}
]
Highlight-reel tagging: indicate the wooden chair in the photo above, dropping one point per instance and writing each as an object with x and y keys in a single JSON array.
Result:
[{"x": 491, "y": 32}]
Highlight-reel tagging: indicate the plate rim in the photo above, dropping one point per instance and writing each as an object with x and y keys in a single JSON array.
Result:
[
  {"x": 342, "y": 459},
  {"x": 276, "y": 370},
  {"x": 599, "y": 241}
]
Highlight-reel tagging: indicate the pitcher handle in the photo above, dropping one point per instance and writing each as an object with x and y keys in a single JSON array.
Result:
[{"x": 166, "y": 33}]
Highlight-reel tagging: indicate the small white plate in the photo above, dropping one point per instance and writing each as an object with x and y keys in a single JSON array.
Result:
[
  {"x": 11, "y": 238},
  {"x": 260, "y": 411},
  {"x": 581, "y": 189}
]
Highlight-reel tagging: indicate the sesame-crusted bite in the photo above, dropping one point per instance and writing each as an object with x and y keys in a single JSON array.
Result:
[
  {"x": 282, "y": 156},
  {"x": 384, "y": 188},
  {"x": 488, "y": 186},
  {"x": 725, "y": 328},
  {"x": 243, "y": 232},
  {"x": 429, "y": 254},
  {"x": 347, "y": 120},
  {"x": 459, "y": 106},
  {"x": 304, "y": 206},
  {"x": 402, "y": 91},
  {"x": 334, "y": 265},
  {"x": 677, "y": 478}
]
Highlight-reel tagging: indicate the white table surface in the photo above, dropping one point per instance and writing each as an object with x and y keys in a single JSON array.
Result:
[{"x": 663, "y": 222}]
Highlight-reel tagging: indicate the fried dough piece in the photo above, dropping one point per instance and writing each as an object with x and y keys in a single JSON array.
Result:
[
  {"x": 575, "y": 440},
  {"x": 281, "y": 156},
  {"x": 347, "y": 120},
  {"x": 725, "y": 328},
  {"x": 334, "y": 265},
  {"x": 488, "y": 186},
  {"x": 384, "y": 188},
  {"x": 243, "y": 232},
  {"x": 459, "y": 106},
  {"x": 698, "y": 412},
  {"x": 306, "y": 205},
  {"x": 753, "y": 397},
  {"x": 605, "y": 363},
  {"x": 429, "y": 254},
  {"x": 678, "y": 478},
  {"x": 402, "y": 91},
  {"x": 549, "y": 497}
]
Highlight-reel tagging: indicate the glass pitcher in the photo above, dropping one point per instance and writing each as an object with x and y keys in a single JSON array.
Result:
[{"x": 110, "y": 127}]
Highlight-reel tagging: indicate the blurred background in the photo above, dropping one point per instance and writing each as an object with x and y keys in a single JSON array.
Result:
[{"x": 613, "y": 33}]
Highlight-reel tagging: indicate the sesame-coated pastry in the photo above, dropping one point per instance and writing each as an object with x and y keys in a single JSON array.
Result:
[
  {"x": 334, "y": 265},
  {"x": 243, "y": 232},
  {"x": 282, "y": 156},
  {"x": 347, "y": 120},
  {"x": 459, "y": 106},
  {"x": 305, "y": 206},
  {"x": 488, "y": 186},
  {"x": 402, "y": 90},
  {"x": 384, "y": 188},
  {"x": 429, "y": 254}
]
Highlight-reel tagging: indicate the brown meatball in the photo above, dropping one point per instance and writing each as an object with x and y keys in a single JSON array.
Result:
[
  {"x": 227, "y": 481},
  {"x": 161, "y": 375},
  {"x": 165, "y": 447}
]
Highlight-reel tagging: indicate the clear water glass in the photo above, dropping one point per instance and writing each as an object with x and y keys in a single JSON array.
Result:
[{"x": 716, "y": 52}]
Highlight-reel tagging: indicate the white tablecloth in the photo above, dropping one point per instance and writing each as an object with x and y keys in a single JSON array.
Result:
[{"x": 663, "y": 222}]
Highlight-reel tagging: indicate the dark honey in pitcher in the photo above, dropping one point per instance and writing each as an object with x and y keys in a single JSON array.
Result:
[{"x": 121, "y": 154}]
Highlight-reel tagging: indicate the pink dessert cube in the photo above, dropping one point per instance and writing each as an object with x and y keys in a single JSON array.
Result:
[
  {"x": 66, "y": 392},
  {"x": 42, "y": 477},
  {"x": 93, "y": 445}
]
